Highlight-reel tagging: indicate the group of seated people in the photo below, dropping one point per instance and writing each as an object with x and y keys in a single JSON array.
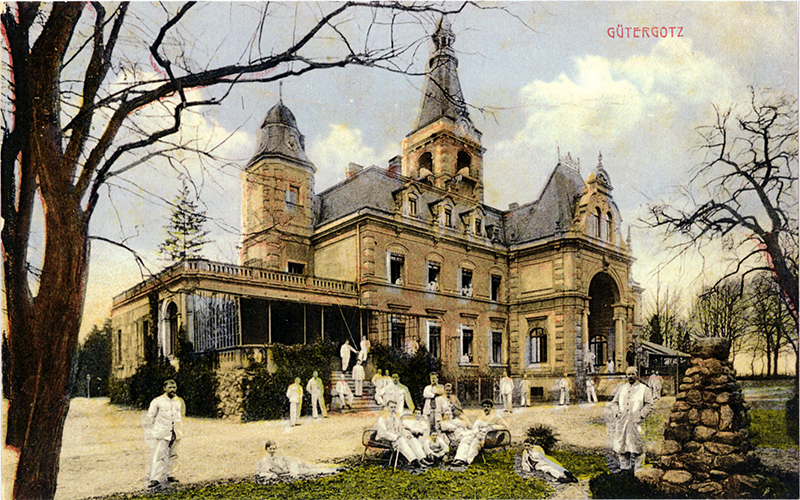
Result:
[{"x": 432, "y": 435}]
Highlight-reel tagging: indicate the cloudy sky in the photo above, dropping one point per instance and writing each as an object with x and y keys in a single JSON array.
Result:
[{"x": 541, "y": 77}]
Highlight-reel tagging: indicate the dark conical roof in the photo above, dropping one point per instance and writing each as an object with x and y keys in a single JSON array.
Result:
[
  {"x": 279, "y": 115},
  {"x": 279, "y": 136},
  {"x": 443, "y": 97}
]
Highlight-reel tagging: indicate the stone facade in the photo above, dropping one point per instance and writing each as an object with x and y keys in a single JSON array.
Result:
[
  {"x": 408, "y": 254},
  {"x": 706, "y": 452}
]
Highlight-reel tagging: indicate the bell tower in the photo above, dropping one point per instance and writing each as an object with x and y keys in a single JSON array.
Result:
[
  {"x": 444, "y": 149},
  {"x": 277, "y": 190}
]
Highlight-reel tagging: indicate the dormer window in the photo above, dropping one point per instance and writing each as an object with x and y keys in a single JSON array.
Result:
[
  {"x": 478, "y": 226},
  {"x": 432, "y": 282},
  {"x": 412, "y": 206},
  {"x": 448, "y": 217}
]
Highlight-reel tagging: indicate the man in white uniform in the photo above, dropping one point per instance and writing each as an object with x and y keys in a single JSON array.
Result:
[
  {"x": 358, "y": 378},
  {"x": 163, "y": 432},
  {"x": 344, "y": 393},
  {"x": 434, "y": 401},
  {"x": 390, "y": 427},
  {"x": 472, "y": 441},
  {"x": 506, "y": 390},
  {"x": 364, "y": 352},
  {"x": 317, "y": 391},
  {"x": 344, "y": 353},
  {"x": 629, "y": 408},
  {"x": 563, "y": 390},
  {"x": 295, "y": 395}
]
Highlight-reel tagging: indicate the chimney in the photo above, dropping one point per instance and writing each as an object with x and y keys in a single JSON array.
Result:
[
  {"x": 394, "y": 166},
  {"x": 352, "y": 169},
  {"x": 513, "y": 206}
]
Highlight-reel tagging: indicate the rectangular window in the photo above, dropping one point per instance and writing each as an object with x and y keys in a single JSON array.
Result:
[
  {"x": 537, "y": 346},
  {"x": 434, "y": 340},
  {"x": 448, "y": 217},
  {"x": 396, "y": 262},
  {"x": 398, "y": 333},
  {"x": 496, "y": 281},
  {"x": 412, "y": 206},
  {"x": 497, "y": 348},
  {"x": 477, "y": 227},
  {"x": 292, "y": 198},
  {"x": 465, "y": 356},
  {"x": 296, "y": 268},
  {"x": 432, "y": 283},
  {"x": 466, "y": 282}
]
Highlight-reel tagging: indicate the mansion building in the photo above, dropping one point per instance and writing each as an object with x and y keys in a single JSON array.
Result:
[{"x": 404, "y": 255}]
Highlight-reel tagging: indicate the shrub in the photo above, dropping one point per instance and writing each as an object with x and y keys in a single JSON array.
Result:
[
  {"x": 414, "y": 369},
  {"x": 541, "y": 435},
  {"x": 264, "y": 393}
]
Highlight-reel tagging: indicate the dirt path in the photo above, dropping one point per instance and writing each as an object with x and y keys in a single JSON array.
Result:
[{"x": 104, "y": 452}]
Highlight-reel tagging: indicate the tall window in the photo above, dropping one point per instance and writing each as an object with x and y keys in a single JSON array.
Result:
[
  {"x": 497, "y": 348},
  {"x": 496, "y": 282},
  {"x": 537, "y": 346},
  {"x": 609, "y": 226},
  {"x": 599, "y": 347},
  {"x": 412, "y": 206},
  {"x": 465, "y": 356},
  {"x": 478, "y": 227},
  {"x": 292, "y": 197},
  {"x": 398, "y": 333},
  {"x": 448, "y": 217},
  {"x": 396, "y": 263},
  {"x": 435, "y": 340},
  {"x": 432, "y": 283},
  {"x": 466, "y": 282}
]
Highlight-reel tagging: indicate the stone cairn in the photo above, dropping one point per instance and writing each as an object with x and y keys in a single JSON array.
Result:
[{"x": 706, "y": 452}]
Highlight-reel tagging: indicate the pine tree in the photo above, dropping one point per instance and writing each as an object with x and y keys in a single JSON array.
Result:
[{"x": 185, "y": 233}]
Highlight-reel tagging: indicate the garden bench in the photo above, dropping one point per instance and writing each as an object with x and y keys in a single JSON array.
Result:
[{"x": 370, "y": 440}]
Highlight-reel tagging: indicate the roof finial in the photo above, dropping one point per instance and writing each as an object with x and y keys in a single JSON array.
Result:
[
  {"x": 600, "y": 158},
  {"x": 280, "y": 92}
]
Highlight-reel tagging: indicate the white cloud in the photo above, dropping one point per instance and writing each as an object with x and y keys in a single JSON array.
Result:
[{"x": 343, "y": 145}]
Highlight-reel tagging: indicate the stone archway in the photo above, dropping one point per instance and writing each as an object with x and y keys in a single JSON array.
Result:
[{"x": 603, "y": 294}]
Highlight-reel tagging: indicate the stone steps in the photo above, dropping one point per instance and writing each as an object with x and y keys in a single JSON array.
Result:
[{"x": 366, "y": 402}]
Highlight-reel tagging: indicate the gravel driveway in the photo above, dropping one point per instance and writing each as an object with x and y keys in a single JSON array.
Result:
[{"x": 104, "y": 451}]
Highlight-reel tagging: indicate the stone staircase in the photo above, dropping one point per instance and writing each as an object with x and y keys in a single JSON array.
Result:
[{"x": 366, "y": 402}]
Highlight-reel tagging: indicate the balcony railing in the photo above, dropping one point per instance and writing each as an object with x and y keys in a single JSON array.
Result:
[{"x": 207, "y": 267}]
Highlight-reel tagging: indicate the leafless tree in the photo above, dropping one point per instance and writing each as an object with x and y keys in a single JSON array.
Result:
[
  {"x": 82, "y": 105},
  {"x": 664, "y": 323},
  {"x": 771, "y": 330},
  {"x": 744, "y": 193},
  {"x": 720, "y": 311}
]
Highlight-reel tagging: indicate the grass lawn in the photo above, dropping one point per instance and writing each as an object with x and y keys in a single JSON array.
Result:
[
  {"x": 495, "y": 479},
  {"x": 768, "y": 428}
]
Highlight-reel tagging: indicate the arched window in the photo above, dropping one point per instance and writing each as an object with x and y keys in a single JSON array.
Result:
[
  {"x": 426, "y": 162},
  {"x": 172, "y": 321},
  {"x": 609, "y": 226},
  {"x": 463, "y": 160},
  {"x": 599, "y": 219},
  {"x": 599, "y": 347},
  {"x": 537, "y": 346}
]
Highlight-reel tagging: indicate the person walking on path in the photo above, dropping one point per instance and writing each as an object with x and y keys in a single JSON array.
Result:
[
  {"x": 358, "y": 377},
  {"x": 295, "y": 395},
  {"x": 344, "y": 353},
  {"x": 506, "y": 391},
  {"x": 630, "y": 407},
  {"x": 163, "y": 432},
  {"x": 524, "y": 391},
  {"x": 316, "y": 388}
]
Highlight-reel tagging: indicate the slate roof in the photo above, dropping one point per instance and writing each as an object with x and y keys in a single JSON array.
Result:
[{"x": 552, "y": 213}]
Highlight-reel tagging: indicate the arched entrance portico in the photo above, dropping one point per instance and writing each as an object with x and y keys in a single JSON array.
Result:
[{"x": 602, "y": 338}]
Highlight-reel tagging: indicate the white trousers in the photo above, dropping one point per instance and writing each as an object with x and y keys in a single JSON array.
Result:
[
  {"x": 469, "y": 447},
  {"x": 359, "y": 387},
  {"x": 163, "y": 460},
  {"x": 293, "y": 413},
  {"x": 409, "y": 447},
  {"x": 317, "y": 400}
]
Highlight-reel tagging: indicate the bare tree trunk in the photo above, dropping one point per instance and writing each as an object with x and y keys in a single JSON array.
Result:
[{"x": 53, "y": 334}]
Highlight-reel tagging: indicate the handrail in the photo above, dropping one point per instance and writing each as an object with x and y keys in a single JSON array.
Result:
[{"x": 203, "y": 266}]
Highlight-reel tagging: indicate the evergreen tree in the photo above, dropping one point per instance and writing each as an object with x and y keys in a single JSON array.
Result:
[
  {"x": 93, "y": 359},
  {"x": 185, "y": 233}
]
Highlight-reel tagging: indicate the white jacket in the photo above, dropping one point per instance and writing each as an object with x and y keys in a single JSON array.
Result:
[{"x": 165, "y": 415}]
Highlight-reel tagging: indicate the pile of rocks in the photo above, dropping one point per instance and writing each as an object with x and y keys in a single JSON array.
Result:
[
  {"x": 706, "y": 450},
  {"x": 229, "y": 391}
]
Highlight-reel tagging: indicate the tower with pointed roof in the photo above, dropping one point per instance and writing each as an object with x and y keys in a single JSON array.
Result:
[
  {"x": 444, "y": 149},
  {"x": 277, "y": 189}
]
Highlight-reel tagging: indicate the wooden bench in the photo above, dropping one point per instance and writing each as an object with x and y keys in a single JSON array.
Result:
[{"x": 369, "y": 440}]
